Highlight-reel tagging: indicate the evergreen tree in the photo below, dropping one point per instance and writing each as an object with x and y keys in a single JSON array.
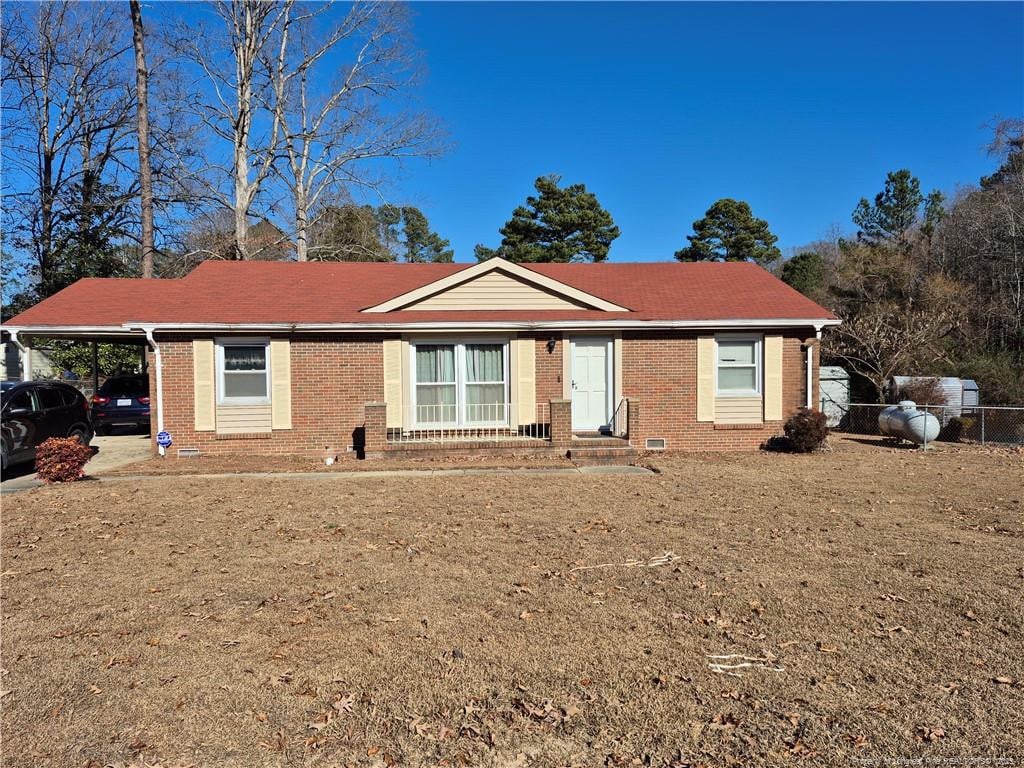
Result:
[
  {"x": 422, "y": 244},
  {"x": 559, "y": 224},
  {"x": 806, "y": 273},
  {"x": 385, "y": 233},
  {"x": 896, "y": 210},
  {"x": 729, "y": 231}
]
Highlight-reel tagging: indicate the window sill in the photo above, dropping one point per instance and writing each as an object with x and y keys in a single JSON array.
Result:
[{"x": 751, "y": 425}]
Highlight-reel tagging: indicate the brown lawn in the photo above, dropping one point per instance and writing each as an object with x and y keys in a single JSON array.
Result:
[{"x": 511, "y": 619}]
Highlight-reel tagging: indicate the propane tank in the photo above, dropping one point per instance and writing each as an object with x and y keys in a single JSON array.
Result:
[{"x": 905, "y": 422}]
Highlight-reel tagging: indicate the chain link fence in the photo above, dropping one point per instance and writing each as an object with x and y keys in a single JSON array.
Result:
[{"x": 985, "y": 424}]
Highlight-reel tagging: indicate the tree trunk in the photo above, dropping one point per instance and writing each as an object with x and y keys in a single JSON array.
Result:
[
  {"x": 142, "y": 113},
  {"x": 241, "y": 217},
  {"x": 46, "y": 227},
  {"x": 301, "y": 229}
]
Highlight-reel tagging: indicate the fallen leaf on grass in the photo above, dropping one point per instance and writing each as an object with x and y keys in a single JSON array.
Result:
[
  {"x": 283, "y": 679},
  {"x": 860, "y": 741},
  {"x": 929, "y": 733},
  {"x": 1003, "y": 680},
  {"x": 343, "y": 703},
  {"x": 278, "y": 743},
  {"x": 827, "y": 648},
  {"x": 95, "y": 690}
]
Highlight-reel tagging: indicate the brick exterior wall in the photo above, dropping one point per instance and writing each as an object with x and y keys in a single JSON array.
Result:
[
  {"x": 660, "y": 370},
  {"x": 549, "y": 368},
  {"x": 333, "y": 377}
]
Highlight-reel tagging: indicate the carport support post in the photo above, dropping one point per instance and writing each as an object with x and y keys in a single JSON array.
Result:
[
  {"x": 159, "y": 385},
  {"x": 24, "y": 356},
  {"x": 95, "y": 368}
]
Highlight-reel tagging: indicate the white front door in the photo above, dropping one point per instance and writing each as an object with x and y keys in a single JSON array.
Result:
[{"x": 591, "y": 363}]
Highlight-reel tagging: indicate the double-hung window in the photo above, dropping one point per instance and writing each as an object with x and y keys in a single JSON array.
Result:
[
  {"x": 460, "y": 383},
  {"x": 738, "y": 368},
  {"x": 243, "y": 372}
]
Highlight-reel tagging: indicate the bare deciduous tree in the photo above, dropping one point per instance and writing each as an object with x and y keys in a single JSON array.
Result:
[
  {"x": 142, "y": 122},
  {"x": 332, "y": 127},
  {"x": 72, "y": 128},
  {"x": 230, "y": 62}
]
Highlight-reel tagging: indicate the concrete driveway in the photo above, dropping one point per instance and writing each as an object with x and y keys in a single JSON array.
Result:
[{"x": 112, "y": 451}]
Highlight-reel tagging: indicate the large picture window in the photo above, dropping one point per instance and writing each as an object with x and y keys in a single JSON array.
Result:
[
  {"x": 243, "y": 371},
  {"x": 738, "y": 369},
  {"x": 460, "y": 383}
]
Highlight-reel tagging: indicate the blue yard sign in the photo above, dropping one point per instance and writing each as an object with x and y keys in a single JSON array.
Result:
[{"x": 163, "y": 439}]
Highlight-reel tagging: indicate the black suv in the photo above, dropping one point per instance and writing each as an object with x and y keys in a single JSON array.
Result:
[
  {"x": 32, "y": 411},
  {"x": 122, "y": 401}
]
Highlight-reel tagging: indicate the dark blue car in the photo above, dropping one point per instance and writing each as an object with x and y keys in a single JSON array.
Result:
[{"x": 122, "y": 401}]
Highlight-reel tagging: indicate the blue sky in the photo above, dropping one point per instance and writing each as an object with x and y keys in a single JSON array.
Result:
[{"x": 660, "y": 109}]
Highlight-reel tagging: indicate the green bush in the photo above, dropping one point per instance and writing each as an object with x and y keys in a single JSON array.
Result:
[
  {"x": 806, "y": 430},
  {"x": 62, "y": 459}
]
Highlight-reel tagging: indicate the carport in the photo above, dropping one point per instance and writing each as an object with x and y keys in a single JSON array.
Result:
[{"x": 24, "y": 338}]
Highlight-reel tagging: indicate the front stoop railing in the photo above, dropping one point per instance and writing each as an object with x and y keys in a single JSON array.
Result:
[
  {"x": 486, "y": 425},
  {"x": 477, "y": 423}
]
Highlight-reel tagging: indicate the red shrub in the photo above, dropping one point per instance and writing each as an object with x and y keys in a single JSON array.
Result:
[{"x": 62, "y": 459}]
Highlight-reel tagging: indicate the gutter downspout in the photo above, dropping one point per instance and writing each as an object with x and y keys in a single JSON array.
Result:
[
  {"x": 26, "y": 357},
  {"x": 810, "y": 375},
  {"x": 159, "y": 385},
  {"x": 810, "y": 367}
]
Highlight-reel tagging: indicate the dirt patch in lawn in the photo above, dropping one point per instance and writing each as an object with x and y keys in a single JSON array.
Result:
[{"x": 523, "y": 620}]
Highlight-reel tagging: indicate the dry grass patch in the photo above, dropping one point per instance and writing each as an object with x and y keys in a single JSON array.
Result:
[{"x": 458, "y": 620}]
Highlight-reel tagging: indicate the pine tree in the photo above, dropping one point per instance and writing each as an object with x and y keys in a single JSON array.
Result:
[
  {"x": 729, "y": 231},
  {"x": 559, "y": 224},
  {"x": 422, "y": 244}
]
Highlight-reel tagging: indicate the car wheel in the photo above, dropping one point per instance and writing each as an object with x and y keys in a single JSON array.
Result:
[{"x": 81, "y": 434}]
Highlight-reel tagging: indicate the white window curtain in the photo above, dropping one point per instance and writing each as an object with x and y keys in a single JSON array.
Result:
[
  {"x": 244, "y": 373},
  {"x": 485, "y": 383},
  {"x": 435, "y": 384},
  {"x": 461, "y": 383}
]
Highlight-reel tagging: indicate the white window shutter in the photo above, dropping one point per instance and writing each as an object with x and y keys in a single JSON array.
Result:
[
  {"x": 705, "y": 378},
  {"x": 204, "y": 373}
]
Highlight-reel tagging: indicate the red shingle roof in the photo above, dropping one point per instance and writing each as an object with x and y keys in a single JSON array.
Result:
[{"x": 226, "y": 292}]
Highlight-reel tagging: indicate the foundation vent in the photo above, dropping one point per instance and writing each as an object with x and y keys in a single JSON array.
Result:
[
  {"x": 656, "y": 443},
  {"x": 188, "y": 453}
]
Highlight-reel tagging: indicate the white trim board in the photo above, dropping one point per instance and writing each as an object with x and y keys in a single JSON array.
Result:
[{"x": 134, "y": 328}]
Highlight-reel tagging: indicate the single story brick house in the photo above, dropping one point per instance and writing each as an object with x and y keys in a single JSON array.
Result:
[{"x": 385, "y": 358}]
